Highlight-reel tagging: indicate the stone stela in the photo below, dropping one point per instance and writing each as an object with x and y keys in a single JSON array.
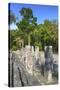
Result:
[
  {"x": 28, "y": 61},
  {"x": 49, "y": 62}
]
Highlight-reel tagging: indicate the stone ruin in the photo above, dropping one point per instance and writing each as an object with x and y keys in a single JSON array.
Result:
[
  {"x": 49, "y": 62},
  {"x": 27, "y": 62}
]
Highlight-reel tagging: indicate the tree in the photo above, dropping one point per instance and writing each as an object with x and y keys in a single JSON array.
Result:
[
  {"x": 48, "y": 34},
  {"x": 28, "y": 23},
  {"x": 11, "y": 17},
  {"x": 33, "y": 34}
]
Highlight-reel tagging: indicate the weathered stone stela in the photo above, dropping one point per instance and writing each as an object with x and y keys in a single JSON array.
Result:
[{"x": 29, "y": 67}]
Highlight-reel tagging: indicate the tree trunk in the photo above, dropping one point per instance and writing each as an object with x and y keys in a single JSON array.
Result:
[{"x": 29, "y": 39}]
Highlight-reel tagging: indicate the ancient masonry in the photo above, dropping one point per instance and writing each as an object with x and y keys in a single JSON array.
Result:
[{"x": 26, "y": 62}]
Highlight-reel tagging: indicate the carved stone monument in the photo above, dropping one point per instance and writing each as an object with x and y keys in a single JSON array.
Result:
[
  {"x": 37, "y": 52},
  {"x": 49, "y": 62},
  {"x": 29, "y": 59}
]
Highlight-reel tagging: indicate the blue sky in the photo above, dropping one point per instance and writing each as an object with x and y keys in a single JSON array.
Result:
[{"x": 42, "y": 12}]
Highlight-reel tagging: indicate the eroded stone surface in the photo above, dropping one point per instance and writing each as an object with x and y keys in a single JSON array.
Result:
[{"x": 29, "y": 67}]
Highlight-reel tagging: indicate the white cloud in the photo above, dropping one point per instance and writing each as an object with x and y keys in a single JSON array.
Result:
[{"x": 13, "y": 26}]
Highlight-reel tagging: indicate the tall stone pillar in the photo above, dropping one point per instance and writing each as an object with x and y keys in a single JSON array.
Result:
[
  {"x": 37, "y": 52},
  {"x": 49, "y": 62},
  {"x": 32, "y": 49},
  {"x": 29, "y": 61}
]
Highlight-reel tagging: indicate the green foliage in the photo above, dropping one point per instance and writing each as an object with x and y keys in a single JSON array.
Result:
[
  {"x": 27, "y": 24},
  {"x": 26, "y": 13},
  {"x": 38, "y": 44},
  {"x": 14, "y": 47},
  {"x": 33, "y": 34},
  {"x": 49, "y": 34},
  {"x": 13, "y": 36}
]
